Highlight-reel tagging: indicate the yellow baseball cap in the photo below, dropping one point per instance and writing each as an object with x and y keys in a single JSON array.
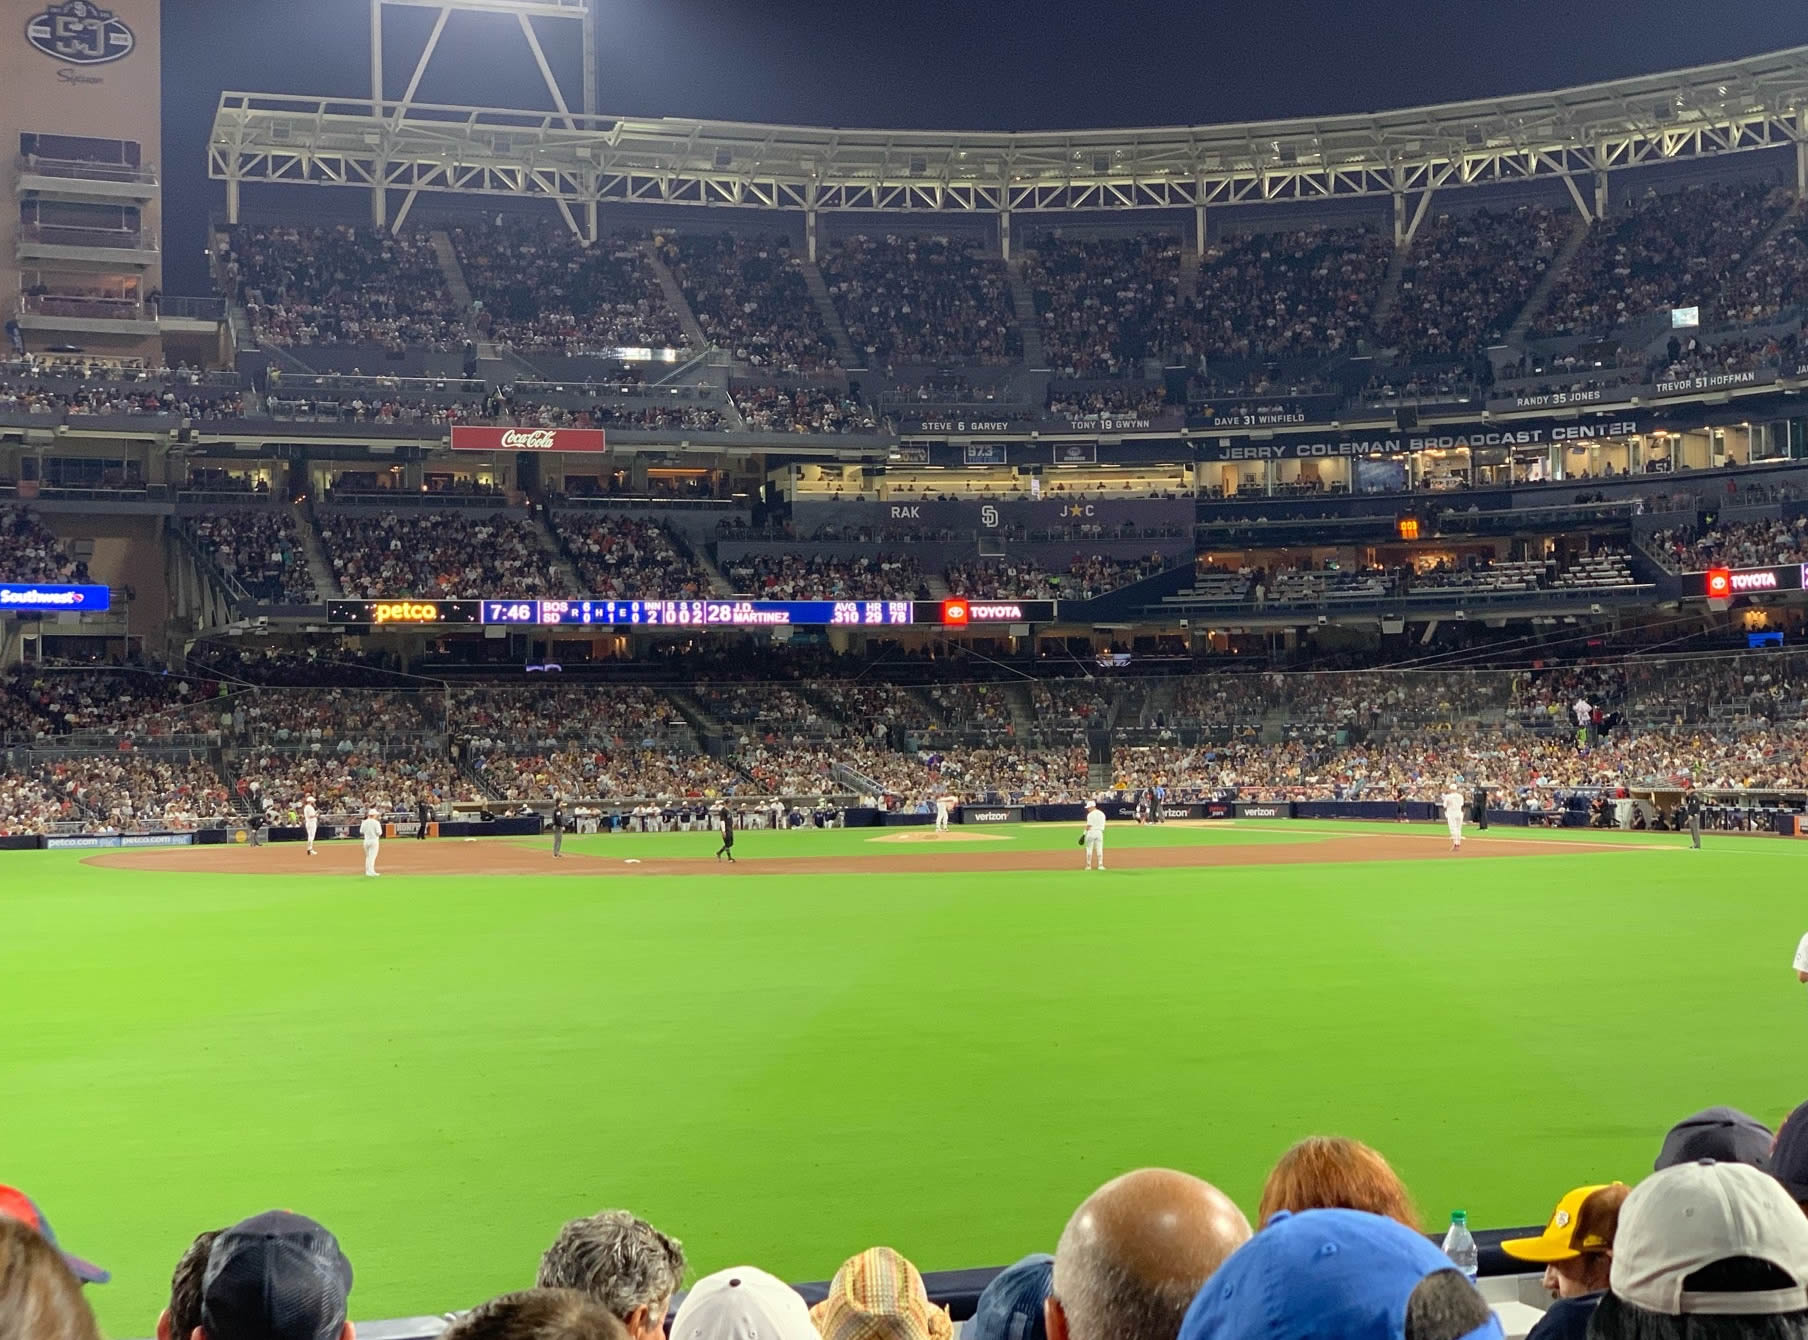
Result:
[{"x": 1584, "y": 1222}]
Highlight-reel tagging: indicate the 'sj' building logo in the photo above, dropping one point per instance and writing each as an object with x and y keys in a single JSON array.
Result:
[{"x": 80, "y": 33}]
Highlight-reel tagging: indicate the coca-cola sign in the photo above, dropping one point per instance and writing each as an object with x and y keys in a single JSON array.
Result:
[{"x": 469, "y": 438}]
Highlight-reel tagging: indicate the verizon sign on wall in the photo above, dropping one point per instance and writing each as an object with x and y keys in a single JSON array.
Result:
[{"x": 467, "y": 438}]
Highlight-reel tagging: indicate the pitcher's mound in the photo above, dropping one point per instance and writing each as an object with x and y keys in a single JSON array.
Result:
[{"x": 930, "y": 835}]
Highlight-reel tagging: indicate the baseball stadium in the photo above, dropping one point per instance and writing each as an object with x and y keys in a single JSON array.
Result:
[{"x": 618, "y": 727}]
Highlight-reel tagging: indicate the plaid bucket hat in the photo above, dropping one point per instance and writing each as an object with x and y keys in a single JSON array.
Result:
[{"x": 878, "y": 1295}]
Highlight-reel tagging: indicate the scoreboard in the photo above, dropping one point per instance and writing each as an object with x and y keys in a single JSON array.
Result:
[{"x": 956, "y": 612}]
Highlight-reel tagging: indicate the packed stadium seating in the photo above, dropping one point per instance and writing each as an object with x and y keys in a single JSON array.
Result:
[
  {"x": 30, "y": 552},
  {"x": 1099, "y": 298},
  {"x": 262, "y": 551},
  {"x": 1734, "y": 544},
  {"x": 542, "y": 291},
  {"x": 922, "y": 300},
  {"x": 624, "y": 557},
  {"x": 438, "y": 554},
  {"x": 750, "y": 297},
  {"x": 1467, "y": 277},
  {"x": 346, "y": 285}
]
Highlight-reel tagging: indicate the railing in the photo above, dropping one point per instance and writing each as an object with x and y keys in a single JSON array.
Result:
[
  {"x": 279, "y": 382},
  {"x": 88, "y": 307},
  {"x": 61, "y": 235},
  {"x": 120, "y": 373},
  {"x": 79, "y": 170},
  {"x": 192, "y": 309}
]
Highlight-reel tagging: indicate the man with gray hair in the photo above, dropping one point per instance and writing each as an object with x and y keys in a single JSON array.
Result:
[
  {"x": 1135, "y": 1253},
  {"x": 622, "y": 1262}
]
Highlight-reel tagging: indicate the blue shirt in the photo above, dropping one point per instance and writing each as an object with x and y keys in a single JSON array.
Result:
[{"x": 1566, "y": 1319}]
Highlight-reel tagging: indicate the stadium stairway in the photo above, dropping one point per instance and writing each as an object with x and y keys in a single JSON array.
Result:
[
  {"x": 1275, "y": 722},
  {"x": 555, "y": 553},
  {"x": 674, "y": 297},
  {"x": 452, "y": 270},
  {"x": 1190, "y": 263},
  {"x": 1029, "y": 325},
  {"x": 819, "y": 292},
  {"x": 1390, "y": 288},
  {"x": 719, "y": 585},
  {"x": 937, "y": 585},
  {"x": 325, "y": 582},
  {"x": 1541, "y": 294},
  {"x": 1790, "y": 218}
]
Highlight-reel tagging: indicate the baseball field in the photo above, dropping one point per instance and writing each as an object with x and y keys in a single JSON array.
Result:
[{"x": 848, "y": 1038}]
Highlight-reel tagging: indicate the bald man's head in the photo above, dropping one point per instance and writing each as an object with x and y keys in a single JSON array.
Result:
[{"x": 1135, "y": 1253}]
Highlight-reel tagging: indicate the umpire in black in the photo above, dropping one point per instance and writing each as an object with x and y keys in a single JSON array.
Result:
[
  {"x": 1691, "y": 809},
  {"x": 727, "y": 825},
  {"x": 1480, "y": 804},
  {"x": 558, "y": 825}
]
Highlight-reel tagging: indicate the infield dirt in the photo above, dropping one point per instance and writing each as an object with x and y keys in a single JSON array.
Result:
[{"x": 495, "y": 856}]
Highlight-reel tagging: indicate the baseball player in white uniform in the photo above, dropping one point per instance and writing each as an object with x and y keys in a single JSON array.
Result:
[
  {"x": 1801, "y": 960},
  {"x": 310, "y": 821},
  {"x": 944, "y": 807},
  {"x": 1094, "y": 838},
  {"x": 371, "y": 830},
  {"x": 1452, "y": 801}
]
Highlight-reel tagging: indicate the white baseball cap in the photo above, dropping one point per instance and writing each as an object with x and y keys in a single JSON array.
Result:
[
  {"x": 743, "y": 1303},
  {"x": 1693, "y": 1215}
]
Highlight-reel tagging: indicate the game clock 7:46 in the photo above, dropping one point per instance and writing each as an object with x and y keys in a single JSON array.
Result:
[{"x": 511, "y": 611}]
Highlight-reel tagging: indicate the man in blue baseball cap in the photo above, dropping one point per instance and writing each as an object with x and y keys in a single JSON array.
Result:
[
  {"x": 1011, "y": 1308},
  {"x": 1341, "y": 1273}
]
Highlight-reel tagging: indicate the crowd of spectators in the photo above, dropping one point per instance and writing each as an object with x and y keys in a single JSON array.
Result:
[
  {"x": 1085, "y": 578},
  {"x": 116, "y": 793},
  {"x": 1467, "y": 277},
  {"x": 262, "y": 551},
  {"x": 628, "y": 558},
  {"x": 436, "y": 554},
  {"x": 1139, "y": 400},
  {"x": 1680, "y": 249},
  {"x": 922, "y": 300},
  {"x": 31, "y": 552},
  {"x": 1772, "y": 281},
  {"x": 1733, "y": 544},
  {"x": 1291, "y": 294},
  {"x": 348, "y": 781},
  {"x": 794, "y": 576},
  {"x": 543, "y": 291},
  {"x": 189, "y": 403},
  {"x": 491, "y": 717},
  {"x": 125, "y": 706},
  {"x": 340, "y": 285},
  {"x": 576, "y": 772},
  {"x": 750, "y": 297},
  {"x": 802, "y": 408},
  {"x": 1098, "y": 300}
]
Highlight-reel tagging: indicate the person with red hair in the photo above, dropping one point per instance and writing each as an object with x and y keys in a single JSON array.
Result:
[{"x": 1329, "y": 1172}]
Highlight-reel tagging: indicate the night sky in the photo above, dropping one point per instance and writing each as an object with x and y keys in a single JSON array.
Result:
[{"x": 941, "y": 64}]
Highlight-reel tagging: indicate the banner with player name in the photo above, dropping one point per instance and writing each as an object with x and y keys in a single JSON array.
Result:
[
  {"x": 1442, "y": 437},
  {"x": 1262, "y": 411},
  {"x": 469, "y": 437},
  {"x": 981, "y": 421},
  {"x": 1048, "y": 515}
]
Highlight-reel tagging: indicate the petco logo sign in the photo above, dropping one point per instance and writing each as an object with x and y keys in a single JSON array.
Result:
[{"x": 466, "y": 438}]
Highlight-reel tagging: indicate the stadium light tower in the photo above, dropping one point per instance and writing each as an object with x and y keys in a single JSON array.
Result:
[{"x": 524, "y": 13}]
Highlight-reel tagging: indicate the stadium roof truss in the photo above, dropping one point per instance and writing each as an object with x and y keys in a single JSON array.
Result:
[{"x": 1576, "y": 134}]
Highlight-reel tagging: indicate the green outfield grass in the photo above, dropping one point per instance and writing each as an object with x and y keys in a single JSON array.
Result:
[{"x": 784, "y": 1069}]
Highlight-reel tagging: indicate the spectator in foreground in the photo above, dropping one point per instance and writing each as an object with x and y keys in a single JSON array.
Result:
[
  {"x": 1788, "y": 1161},
  {"x": 276, "y": 1276},
  {"x": 1342, "y": 1274},
  {"x": 622, "y": 1262},
  {"x": 1707, "y": 1250},
  {"x": 15, "y": 1204},
  {"x": 1576, "y": 1251},
  {"x": 40, "y": 1297},
  {"x": 743, "y": 1303},
  {"x": 538, "y": 1314},
  {"x": 878, "y": 1295},
  {"x": 1013, "y": 1304},
  {"x": 182, "y": 1317},
  {"x": 1724, "y": 1134},
  {"x": 1135, "y": 1253},
  {"x": 1328, "y": 1172}
]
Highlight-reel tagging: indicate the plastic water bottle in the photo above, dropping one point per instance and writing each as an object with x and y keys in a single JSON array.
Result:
[{"x": 1459, "y": 1246}]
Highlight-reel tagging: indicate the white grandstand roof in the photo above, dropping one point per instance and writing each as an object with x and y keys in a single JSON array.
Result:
[{"x": 1755, "y": 103}]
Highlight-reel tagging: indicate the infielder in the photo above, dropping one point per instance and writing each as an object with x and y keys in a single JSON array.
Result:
[
  {"x": 1094, "y": 838},
  {"x": 1801, "y": 960},
  {"x": 310, "y": 822},
  {"x": 1452, "y": 801},
  {"x": 371, "y": 830},
  {"x": 944, "y": 807}
]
